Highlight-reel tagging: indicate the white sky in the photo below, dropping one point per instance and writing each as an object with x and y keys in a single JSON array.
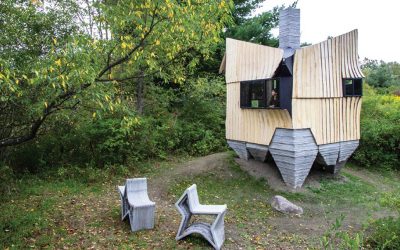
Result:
[{"x": 378, "y": 23}]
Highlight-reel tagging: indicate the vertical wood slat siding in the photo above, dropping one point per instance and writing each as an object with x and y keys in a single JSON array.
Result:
[
  {"x": 248, "y": 61},
  {"x": 252, "y": 125},
  {"x": 319, "y": 68},
  {"x": 318, "y": 101},
  {"x": 330, "y": 119}
]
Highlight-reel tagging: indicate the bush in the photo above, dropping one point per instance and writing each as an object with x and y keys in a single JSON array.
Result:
[
  {"x": 335, "y": 238},
  {"x": 186, "y": 120},
  {"x": 385, "y": 234},
  {"x": 380, "y": 131},
  {"x": 6, "y": 178}
]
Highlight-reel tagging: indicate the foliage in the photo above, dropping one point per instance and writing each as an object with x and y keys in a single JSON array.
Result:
[
  {"x": 334, "y": 238},
  {"x": 382, "y": 74},
  {"x": 391, "y": 199},
  {"x": 189, "y": 120},
  {"x": 380, "y": 131},
  {"x": 385, "y": 232},
  {"x": 6, "y": 178},
  {"x": 257, "y": 29},
  {"x": 157, "y": 38},
  {"x": 243, "y": 9}
]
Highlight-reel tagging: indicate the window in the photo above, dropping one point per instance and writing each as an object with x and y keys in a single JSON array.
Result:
[
  {"x": 260, "y": 94},
  {"x": 352, "y": 87}
]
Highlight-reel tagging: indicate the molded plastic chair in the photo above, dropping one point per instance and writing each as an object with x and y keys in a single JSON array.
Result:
[{"x": 189, "y": 205}]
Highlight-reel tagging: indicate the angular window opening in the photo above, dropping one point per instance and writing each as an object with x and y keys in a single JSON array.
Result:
[
  {"x": 352, "y": 87},
  {"x": 260, "y": 94}
]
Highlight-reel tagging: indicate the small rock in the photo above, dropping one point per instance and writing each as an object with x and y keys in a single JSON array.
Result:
[{"x": 281, "y": 204}]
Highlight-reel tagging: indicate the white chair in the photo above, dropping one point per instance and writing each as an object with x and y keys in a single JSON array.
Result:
[
  {"x": 189, "y": 205},
  {"x": 136, "y": 205}
]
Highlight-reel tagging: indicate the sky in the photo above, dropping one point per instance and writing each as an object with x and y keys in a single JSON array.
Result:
[{"x": 378, "y": 23}]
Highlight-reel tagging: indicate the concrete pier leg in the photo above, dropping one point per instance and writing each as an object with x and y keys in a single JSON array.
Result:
[
  {"x": 240, "y": 149},
  {"x": 335, "y": 155},
  {"x": 294, "y": 152},
  {"x": 259, "y": 152}
]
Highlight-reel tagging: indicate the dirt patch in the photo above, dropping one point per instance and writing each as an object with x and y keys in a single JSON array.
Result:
[{"x": 160, "y": 183}]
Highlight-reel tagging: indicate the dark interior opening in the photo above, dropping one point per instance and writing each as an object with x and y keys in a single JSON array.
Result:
[{"x": 352, "y": 86}]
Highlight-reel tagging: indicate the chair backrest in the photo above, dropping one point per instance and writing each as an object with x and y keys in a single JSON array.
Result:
[
  {"x": 193, "y": 197},
  {"x": 136, "y": 185}
]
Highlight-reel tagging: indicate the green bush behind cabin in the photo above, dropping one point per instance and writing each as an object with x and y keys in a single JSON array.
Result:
[{"x": 380, "y": 131}]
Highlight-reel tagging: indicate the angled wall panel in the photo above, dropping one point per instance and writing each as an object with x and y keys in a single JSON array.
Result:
[
  {"x": 319, "y": 68},
  {"x": 248, "y": 61}
]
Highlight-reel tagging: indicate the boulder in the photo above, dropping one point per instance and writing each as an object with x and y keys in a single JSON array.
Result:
[{"x": 281, "y": 204}]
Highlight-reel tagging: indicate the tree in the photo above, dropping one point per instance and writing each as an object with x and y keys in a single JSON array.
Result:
[
  {"x": 381, "y": 74},
  {"x": 257, "y": 29},
  {"x": 146, "y": 38},
  {"x": 243, "y": 9}
]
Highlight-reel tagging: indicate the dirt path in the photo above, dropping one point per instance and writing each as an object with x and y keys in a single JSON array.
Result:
[{"x": 165, "y": 178}]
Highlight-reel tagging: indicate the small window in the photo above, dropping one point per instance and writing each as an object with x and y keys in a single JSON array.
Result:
[
  {"x": 260, "y": 94},
  {"x": 352, "y": 87}
]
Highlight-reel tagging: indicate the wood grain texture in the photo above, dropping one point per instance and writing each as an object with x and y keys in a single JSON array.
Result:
[
  {"x": 330, "y": 119},
  {"x": 252, "y": 125},
  {"x": 248, "y": 61},
  {"x": 317, "y": 101},
  {"x": 319, "y": 68}
]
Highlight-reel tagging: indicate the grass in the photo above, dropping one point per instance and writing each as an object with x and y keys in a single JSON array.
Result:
[{"x": 71, "y": 210}]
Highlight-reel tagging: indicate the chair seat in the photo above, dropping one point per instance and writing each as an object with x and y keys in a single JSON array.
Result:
[
  {"x": 208, "y": 209},
  {"x": 139, "y": 200}
]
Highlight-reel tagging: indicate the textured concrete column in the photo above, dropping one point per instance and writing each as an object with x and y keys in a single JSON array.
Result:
[
  {"x": 240, "y": 149},
  {"x": 335, "y": 155},
  {"x": 289, "y": 31},
  {"x": 259, "y": 152},
  {"x": 294, "y": 152}
]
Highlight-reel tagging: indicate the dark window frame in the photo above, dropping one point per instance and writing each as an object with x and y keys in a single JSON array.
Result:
[
  {"x": 355, "y": 81},
  {"x": 247, "y": 104}
]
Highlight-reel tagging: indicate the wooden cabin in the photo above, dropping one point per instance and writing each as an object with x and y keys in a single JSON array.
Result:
[{"x": 300, "y": 104}]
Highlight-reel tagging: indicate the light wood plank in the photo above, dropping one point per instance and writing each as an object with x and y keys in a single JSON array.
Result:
[{"x": 247, "y": 61}]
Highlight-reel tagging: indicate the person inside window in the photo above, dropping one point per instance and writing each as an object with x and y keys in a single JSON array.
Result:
[{"x": 274, "y": 102}]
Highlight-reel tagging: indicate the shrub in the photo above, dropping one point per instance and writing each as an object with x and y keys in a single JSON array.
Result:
[
  {"x": 6, "y": 178},
  {"x": 385, "y": 234},
  {"x": 187, "y": 120},
  {"x": 380, "y": 131},
  {"x": 335, "y": 238}
]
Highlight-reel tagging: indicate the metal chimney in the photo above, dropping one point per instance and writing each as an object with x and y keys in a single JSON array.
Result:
[{"x": 289, "y": 30}]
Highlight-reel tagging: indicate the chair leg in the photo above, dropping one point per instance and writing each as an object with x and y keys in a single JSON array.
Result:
[
  {"x": 125, "y": 208},
  {"x": 141, "y": 217}
]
